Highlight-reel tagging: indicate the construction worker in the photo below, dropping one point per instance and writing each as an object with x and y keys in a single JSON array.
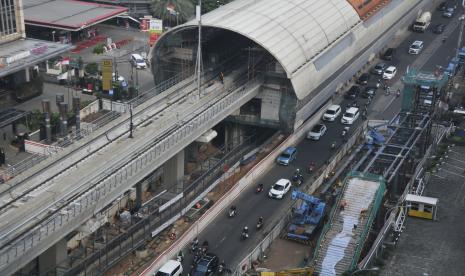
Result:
[{"x": 222, "y": 77}]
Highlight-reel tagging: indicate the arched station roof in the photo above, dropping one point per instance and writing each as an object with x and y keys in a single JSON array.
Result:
[{"x": 293, "y": 31}]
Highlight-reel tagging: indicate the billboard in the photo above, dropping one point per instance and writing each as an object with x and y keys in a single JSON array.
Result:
[
  {"x": 107, "y": 71},
  {"x": 156, "y": 26}
]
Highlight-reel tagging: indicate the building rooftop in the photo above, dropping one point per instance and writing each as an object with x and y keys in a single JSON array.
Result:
[
  {"x": 23, "y": 53},
  {"x": 71, "y": 15},
  {"x": 428, "y": 247}
]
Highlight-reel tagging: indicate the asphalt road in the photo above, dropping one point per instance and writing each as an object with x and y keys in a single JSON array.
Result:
[
  {"x": 223, "y": 234},
  {"x": 427, "y": 61}
]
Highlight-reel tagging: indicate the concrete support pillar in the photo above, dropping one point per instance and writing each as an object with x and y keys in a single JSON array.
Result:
[
  {"x": 52, "y": 257},
  {"x": 27, "y": 74},
  {"x": 77, "y": 110},
  {"x": 138, "y": 195},
  {"x": 173, "y": 171},
  {"x": 14, "y": 128},
  {"x": 234, "y": 135}
]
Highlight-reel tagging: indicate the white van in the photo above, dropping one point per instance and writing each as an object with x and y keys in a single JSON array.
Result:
[
  {"x": 138, "y": 61},
  {"x": 171, "y": 268}
]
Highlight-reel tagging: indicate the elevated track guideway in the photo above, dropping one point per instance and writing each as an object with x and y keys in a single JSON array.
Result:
[{"x": 43, "y": 207}]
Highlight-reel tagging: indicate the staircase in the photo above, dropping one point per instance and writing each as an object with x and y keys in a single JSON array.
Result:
[{"x": 341, "y": 245}]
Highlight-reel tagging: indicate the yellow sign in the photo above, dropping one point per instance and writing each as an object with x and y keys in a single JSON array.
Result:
[{"x": 107, "y": 74}]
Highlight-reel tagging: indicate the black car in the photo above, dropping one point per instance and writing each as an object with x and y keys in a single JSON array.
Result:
[
  {"x": 442, "y": 6},
  {"x": 364, "y": 78},
  {"x": 206, "y": 266},
  {"x": 370, "y": 91},
  {"x": 379, "y": 68},
  {"x": 389, "y": 54},
  {"x": 439, "y": 28},
  {"x": 353, "y": 92}
]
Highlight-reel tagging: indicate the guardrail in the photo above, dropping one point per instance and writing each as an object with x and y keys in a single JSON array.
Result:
[
  {"x": 115, "y": 180},
  {"x": 158, "y": 220}
]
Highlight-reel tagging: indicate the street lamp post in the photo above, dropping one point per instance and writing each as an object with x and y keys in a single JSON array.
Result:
[{"x": 131, "y": 125}]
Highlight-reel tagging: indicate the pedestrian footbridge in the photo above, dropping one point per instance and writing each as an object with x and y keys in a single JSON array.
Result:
[{"x": 342, "y": 240}]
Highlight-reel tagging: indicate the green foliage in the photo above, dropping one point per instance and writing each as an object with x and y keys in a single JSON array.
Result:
[
  {"x": 91, "y": 68},
  {"x": 98, "y": 49},
  {"x": 35, "y": 119},
  {"x": 185, "y": 8},
  {"x": 209, "y": 5}
]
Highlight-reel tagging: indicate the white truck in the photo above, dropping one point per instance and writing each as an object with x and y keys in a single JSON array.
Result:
[{"x": 422, "y": 22}]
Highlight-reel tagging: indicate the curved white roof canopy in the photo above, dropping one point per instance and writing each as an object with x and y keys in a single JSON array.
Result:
[{"x": 293, "y": 31}]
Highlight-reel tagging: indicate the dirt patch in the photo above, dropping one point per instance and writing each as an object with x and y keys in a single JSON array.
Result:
[{"x": 94, "y": 116}]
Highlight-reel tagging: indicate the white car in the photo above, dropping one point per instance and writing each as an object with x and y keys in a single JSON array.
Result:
[
  {"x": 138, "y": 61},
  {"x": 332, "y": 113},
  {"x": 389, "y": 73},
  {"x": 171, "y": 267},
  {"x": 280, "y": 188},
  {"x": 317, "y": 131},
  {"x": 416, "y": 47},
  {"x": 350, "y": 116}
]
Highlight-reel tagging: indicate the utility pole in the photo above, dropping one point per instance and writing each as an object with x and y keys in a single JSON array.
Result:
[{"x": 199, "y": 46}]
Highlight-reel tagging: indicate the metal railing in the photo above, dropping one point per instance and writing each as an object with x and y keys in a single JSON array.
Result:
[
  {"x": 258, "y": 252},
  {"x": 374, "y": 209},
  {"x": 155, "y": 220},
  {"x": 118, "y": 175},
  {"x": 25, "y": 164}
]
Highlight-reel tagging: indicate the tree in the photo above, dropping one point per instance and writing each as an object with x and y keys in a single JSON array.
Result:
[
  {"x": 209, "y": 5},
  {"x": 185, "y": 10}
]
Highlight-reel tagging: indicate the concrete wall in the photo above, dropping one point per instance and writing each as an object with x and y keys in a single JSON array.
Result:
[
  {"x": 91, "y": 108},
  {"x": 270, "y": 103}
]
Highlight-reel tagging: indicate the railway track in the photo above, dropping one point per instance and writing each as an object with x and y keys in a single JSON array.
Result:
[{"x": 43, "y": 214}]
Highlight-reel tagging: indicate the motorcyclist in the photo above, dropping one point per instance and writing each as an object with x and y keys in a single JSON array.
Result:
[
  {"x": 232, "y": 211},
  {"x": 333, "y": 145},
  {"x": 221, "y": 267},
  {"x": 260, "y": 222},
  {"x": 260, "y": 187},
  {"x": 398, "y": 93},
  {"x": 180, "y": 256}
]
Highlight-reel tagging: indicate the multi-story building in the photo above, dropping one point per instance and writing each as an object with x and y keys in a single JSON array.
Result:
[
  {"x": 11, "y": 20},
  {"x": 20, "y": 56}
]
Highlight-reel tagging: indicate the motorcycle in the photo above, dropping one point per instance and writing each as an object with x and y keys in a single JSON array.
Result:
[
  {"x": 180, "y": 257},
  {"x": 244, "y": 235},
  {"x": 232, "y": 212},
  {"x": 311, "y": 167},
  {"x": 259, "y": 189},
  {"x": 344, "y": 131},
  {"x": 297, "y": 179},
  {"x": 333, "y": 145},
  {"x": 259, "y": 224}
]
